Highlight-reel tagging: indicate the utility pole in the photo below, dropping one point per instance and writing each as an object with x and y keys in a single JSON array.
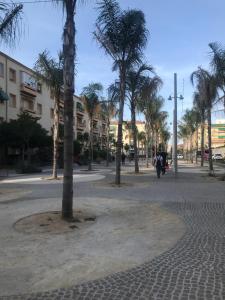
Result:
[
  {"x": 174, "y": 153},
  {"x": 175, "y": 127}
]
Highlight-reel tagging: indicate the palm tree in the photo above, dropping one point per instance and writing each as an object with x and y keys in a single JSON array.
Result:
[
  {"x": 50, "y": 72},
  {"x": 191, "y": 120},
  {"x": 109, "y": 110},
  {"x": 208, "y": 86},
  {"x": 148, "y": 93},
  {"x": 69, "y": 6},
  {"x": 123, "y": 35},
  {"x": 91, "y": 101},
  {"x": 199, "y": 106},
  {"x": 141, "y": 137},
  {"x": 135, "y": 83},
  {"x": 218, "y": 65},
  {"x": 10, "y": 18}
]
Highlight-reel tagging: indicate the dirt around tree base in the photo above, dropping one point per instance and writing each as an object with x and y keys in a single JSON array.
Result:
[{"x": 52, "y": 222}]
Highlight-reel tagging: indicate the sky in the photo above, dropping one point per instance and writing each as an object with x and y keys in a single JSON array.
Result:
[{"x": 179, "y": 34}]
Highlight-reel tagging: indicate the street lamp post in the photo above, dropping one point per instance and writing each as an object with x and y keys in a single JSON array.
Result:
[{"x": 174, "y": 157}]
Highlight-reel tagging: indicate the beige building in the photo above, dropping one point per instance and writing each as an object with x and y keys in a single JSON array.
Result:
[
  {"x": 26, "y": 94},
  {"x": 127, "y": 133}
]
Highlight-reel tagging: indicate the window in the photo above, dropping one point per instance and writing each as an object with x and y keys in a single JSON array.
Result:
[
  {"x": 12, "y": 100},
  {"x": 39, "y": 109},
  {"x": 12, "y": 75},
  {"x": 27, "y": 103},
  {"x": 51, "y": 113},
  {"x": 1, "y": 70},
  {"x": 39, "y": 87}
]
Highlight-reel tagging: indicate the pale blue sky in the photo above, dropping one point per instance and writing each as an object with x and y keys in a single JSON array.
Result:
[{"x": 179, "y": 33}]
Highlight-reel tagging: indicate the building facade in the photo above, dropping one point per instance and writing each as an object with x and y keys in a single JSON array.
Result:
[{"x": 27, "y": 94}]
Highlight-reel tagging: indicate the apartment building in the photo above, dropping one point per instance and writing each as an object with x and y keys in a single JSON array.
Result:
[
  {"x": 127, "y": 133},
  {"x": 27, "y": 94}
]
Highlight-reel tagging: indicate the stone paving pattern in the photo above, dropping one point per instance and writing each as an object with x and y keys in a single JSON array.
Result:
[{"x": 193, "y": 269}]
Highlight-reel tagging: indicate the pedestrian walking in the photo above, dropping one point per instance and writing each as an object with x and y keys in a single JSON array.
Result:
[{"x": 158, "y": 162}]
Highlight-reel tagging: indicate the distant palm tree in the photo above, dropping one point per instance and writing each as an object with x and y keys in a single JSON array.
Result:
[
  {"x": 141, "y": 137},
  {"x": 10, "y": 19},
  {"x": 109, "y": 110},
  {"x": 208, "y": 86},
  {"x": 149, "y": 92},
  {"x": 191, "y": 120},
  {"x": 200, "y": 107},
  {"x": 50, "y": 72},
  {"x": 91, "y": 101},
  {"x": 123, "y": 35},
  {"x": 135, "y": 83}
]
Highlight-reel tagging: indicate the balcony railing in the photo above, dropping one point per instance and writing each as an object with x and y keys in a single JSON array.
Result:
[{"x": 81, "y": 125}]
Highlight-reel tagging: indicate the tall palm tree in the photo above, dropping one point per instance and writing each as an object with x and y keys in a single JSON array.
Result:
[
  {"x": 69, "y": 6},
  {"x": 208, "y": 87},
  {"x": 123, "y": 35},
  {"x": 50, "y": 72},
  {"x": 135, "y": 83},
  {"x": 10, "y": 19},
  {"x": 91, "y": 101},
  {"x": 149, "y": 92}
]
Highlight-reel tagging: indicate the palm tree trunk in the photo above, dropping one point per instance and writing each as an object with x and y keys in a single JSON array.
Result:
[
  {"x": 210, "y": 141},
  {"x": 68, "y": 78},
  {"x": 90, "y": 149},
  {"x": 202, "y": 142},
  {"x": 134, "y": 131},
  {"x": 107, "y": 146},
  {"x": 196, "y": 155},
  {"x": 55, "y": 138},
  {"x": 147, "y": 144},
  {"x": 191, "y": 149},
  {"x": 120, "y": 125}
]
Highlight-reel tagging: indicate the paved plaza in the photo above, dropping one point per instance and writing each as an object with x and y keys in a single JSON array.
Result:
[{"x": 166, "y": 238}]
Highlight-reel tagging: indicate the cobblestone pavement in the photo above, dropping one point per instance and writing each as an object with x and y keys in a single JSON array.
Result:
[{"x": 193, "y": 269}]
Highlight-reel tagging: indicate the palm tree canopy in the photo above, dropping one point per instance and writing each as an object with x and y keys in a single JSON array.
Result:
[
  {"x": 50, "y": 71},
  {"x": 122, "y": 34},
  {"x": 206, "y": 84},
  {"x": 218, "y": 63},
  {"x": 136, "y": 82},
  {"x": 10, "y": 19},
  {"x": 91, "y": 96}
]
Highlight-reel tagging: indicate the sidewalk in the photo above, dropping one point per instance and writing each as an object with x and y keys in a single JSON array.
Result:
[{"x": 154, "y": 239}]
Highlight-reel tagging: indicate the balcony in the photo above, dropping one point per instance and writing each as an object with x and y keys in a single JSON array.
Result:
[
  {"x": 28, "y": 84},
  {"x": 81, "y": 125},
  {"x": 95, "y": 129},
  {"x": 29, "y": 110},
  {"x": 28, "y": 90}
]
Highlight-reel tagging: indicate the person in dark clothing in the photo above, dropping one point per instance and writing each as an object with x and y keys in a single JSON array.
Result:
[
  {"x": 164, "y": 156},
  {"x": 123, "y": 157},
  {"x": 158, "y": 160}
]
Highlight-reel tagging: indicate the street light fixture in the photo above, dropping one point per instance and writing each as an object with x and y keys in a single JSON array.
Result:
[{"x": 175, "y": 97}]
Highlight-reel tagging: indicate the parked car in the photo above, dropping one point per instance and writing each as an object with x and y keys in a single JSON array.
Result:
[
  {"x": 180, "y": 156},
  {"x": 217, "y": 156}
]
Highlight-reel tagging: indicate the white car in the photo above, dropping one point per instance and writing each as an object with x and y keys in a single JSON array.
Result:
[
  {"x": 217, "y": 156},
  {"x": 180, "y": 156}
]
